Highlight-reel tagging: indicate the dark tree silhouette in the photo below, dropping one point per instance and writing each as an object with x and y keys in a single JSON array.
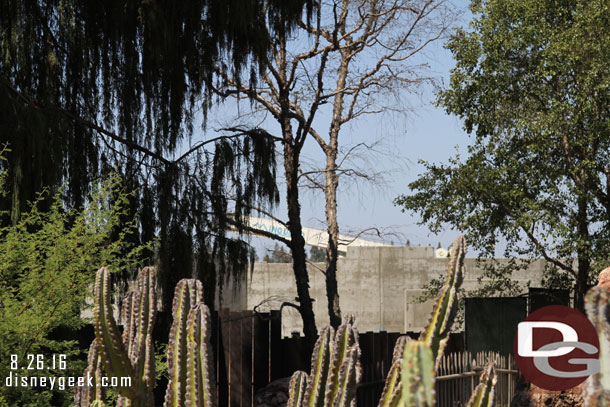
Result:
[{"x": 87, "y": 88}]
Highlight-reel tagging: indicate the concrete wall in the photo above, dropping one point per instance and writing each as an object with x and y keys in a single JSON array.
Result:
[{"x": 376, "y": 284}]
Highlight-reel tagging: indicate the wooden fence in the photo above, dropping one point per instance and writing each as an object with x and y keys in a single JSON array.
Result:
[
  {"x": 246, "y": 347},
  {"x": 251, "y": 353},
  {"x": 459, "y": 373},
  {"x": 377, "y": 349}
]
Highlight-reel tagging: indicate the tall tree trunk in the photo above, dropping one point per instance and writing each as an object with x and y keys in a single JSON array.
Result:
[
  {"x": 583, "y": 252},
  {"x": 330, "y": 192},
  {"x": 332, "y": 291},
  {"x": 297, "y": 242},
  {"x": 292, "y": 151}
]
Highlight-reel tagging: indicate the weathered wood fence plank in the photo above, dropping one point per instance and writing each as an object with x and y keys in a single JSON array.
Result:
[{"x": 250, "y": 353}]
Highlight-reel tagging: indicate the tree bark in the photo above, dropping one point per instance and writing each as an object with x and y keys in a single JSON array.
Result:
[
  {"x": 292, "y": 152},
  {"x": 297, "y": 243},
  {"x": 581, "y": 284},
  {"x": 332, "y": 291},
  {"x": 330, "y": 191}
]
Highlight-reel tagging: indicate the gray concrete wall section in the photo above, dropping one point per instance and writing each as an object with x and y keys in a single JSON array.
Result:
[{"x": 376, "y": 284}]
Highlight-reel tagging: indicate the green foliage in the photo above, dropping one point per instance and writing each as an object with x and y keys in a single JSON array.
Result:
[
  {"x": 278, "y": 255},
  {"x": 81, "y": 98},
  {"x": 317, "y": 254},
  {"x": 493, "y": 282},
  {"x": 531, "y": 84},
  {"x": 129, "y": 77},
  {"x": 161, "y": 371},
  {"x": 430, "y": 289},
  {"x": 47, "y": 265}
]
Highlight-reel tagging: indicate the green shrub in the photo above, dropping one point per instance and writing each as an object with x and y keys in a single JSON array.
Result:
[{"x": 47, "y": 267}]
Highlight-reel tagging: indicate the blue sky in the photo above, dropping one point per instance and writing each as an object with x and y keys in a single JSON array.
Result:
[{"x": 425, "y": 132}]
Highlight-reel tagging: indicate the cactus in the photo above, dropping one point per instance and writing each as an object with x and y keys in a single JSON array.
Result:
[
  {"x": 200, "y": 390},
  {"x": 483, "y": 395},
  {"x": 87, "y": 395},
  {"x": 296, "y": 389},
  {"x": 418, "y": 375},
  {"x": 597, "y": 387},
  {"x": 131, "y": 354},
  {"x": 411, "y": 379},
  {"x": 335, "y": 370},
  {"x": 392, "y": 391},
  {"x": 187, "y": 295},
  {"x": 437, "y": 332}
]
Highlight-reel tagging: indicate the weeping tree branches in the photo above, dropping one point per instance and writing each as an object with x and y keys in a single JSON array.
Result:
[
  {"x": 88, "y": 88},
  {"x": 160, "y": 159}
]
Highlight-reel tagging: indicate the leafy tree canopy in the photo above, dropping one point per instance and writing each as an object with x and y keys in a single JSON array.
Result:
[
  {"x": 46, "y": 273},
  {"x": 531, "y": 84},
  {"x": 278, "y": 255},
  {"x": 317, "y": 254}
]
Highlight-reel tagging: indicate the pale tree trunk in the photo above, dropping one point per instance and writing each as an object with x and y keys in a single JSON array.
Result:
[
  {"x": 330, "y": 192},
  {"x": 294, "y": 87},
  {"x": 332, "y": 291}
]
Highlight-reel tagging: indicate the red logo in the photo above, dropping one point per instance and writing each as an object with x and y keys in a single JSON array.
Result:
[{"x": 556, "y": 348}]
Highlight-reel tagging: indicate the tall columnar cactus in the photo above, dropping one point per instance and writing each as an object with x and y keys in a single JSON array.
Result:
[
  {"x": 483, "y": 395},
  {"x": 85, "y": 396},
  {"x": 437, "y": 332},
  {"x": 597, "y": 387},
  {"x": 418, "y": 375},
  {"x": 335, "y": 370},
  {"x": 411, "y": 379},
  {"x": 297, "y": 388},
  {"x": 130, "y": 355},
  {"x": 200, "y": 389},
  {"x": 392, "y": 391},
  {"x": 187, "y": 295},
  {"x": 189, "y": 357}
]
